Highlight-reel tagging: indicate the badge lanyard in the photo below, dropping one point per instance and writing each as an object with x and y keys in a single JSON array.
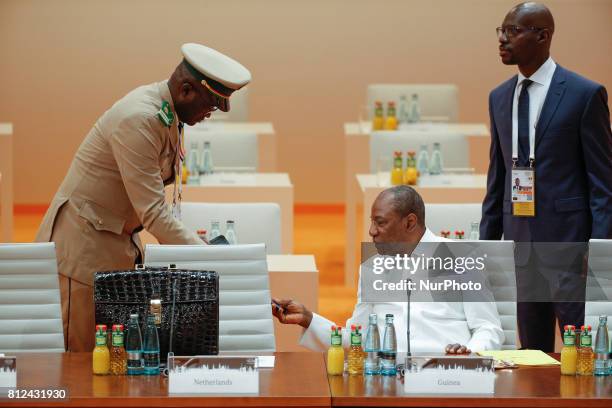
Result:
[
  {"x": 515, "y": 149},
  {"x": 177, "y": 195},
  {"x": 523, "y": 194}
]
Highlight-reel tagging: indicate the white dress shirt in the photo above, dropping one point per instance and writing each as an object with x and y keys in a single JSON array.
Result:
[
  {"x": 433, "y": 325},
  {"x": 537, "y": 94}
]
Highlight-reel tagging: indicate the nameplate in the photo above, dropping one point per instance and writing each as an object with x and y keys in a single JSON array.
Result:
[
  {"x": 212, "y": 375},
  {"x": 449, "y": 375}
]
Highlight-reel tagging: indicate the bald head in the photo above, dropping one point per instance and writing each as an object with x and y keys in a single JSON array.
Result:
[
  {"x": 526, "y": 37},
  {"x": 535, "y": 15}
]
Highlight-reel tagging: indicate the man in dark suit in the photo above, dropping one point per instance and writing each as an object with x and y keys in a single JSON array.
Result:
[{"x": 556, "y": 123}]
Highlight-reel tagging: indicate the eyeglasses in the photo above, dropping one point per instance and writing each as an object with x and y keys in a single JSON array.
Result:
[{"x": 512, "y": 31}]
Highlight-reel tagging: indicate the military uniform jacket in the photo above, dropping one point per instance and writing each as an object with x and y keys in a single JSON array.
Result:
[{"x": 114, "y": 186}]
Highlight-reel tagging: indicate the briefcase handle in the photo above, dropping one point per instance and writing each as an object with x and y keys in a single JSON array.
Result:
[{"x": 170, "y": 268}]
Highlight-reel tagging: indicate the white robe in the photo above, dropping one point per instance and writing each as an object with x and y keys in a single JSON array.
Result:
[{"x": 433, "y": 325}]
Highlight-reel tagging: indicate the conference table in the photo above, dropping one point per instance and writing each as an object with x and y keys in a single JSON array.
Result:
[
  {"x": 298, "y": 380},
  {"x": 241, "y": 188}
]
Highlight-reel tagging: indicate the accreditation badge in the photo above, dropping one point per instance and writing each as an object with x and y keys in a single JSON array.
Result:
[{"x": 523, "y": 192}]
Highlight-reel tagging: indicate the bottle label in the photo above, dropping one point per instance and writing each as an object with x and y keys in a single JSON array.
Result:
[
  {"x": 151, "y": 359},
  {"x": 600, "y": 364},
  {"x": 336, "y": 341},
  {"x": 100, "y": 340},
  {"x": 355, "y": 339},
  {"x": 118, "y": 340},
  {"x": 134, "y": 355},
  {"x": 569, "y": 340},
  {"x": 585, "y": 341}
]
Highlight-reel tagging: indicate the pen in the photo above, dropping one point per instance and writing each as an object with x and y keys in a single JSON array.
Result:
[{"x": 278, "y": 307}]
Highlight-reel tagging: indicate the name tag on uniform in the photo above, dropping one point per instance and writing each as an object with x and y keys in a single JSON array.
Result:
[{"x": 523, "y": 192}]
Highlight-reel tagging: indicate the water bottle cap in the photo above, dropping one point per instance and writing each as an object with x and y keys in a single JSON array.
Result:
[
  {"x": 230, "y": 221},
  {"x": 134, "y": 316}
]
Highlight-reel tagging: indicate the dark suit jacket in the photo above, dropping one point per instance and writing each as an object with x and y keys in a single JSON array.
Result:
[{"x": 573, "y": 165}]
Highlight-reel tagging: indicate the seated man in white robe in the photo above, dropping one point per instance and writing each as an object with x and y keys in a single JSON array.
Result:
[{"x": 398, "y": 215}]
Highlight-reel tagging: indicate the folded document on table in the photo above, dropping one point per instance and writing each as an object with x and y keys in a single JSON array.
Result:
[{"x": 521, "y": 357}]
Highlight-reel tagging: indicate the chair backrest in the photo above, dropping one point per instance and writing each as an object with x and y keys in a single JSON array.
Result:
[
  {"x": 438, "y": 102},
  {"x": 254, "y": 223},
  {"x": 501, "y": 275},
  {"x": 454, "y": 147},
  {"x": 30, "y": 305},
  {"x": 452, "y": 217},
  {"x": 231, "y": 151},
  {"x": 245, "y": 315},
  {"x": 239, "y": 112},
  {"x": 600, "y": 267}
]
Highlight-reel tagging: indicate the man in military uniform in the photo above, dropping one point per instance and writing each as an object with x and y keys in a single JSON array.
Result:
[{"x": 115, "y": 185}]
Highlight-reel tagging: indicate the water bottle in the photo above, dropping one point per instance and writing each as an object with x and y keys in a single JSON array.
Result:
[
  {"x": 372, "y": 347},
  {"x": 436, "y": 165},
  {"x": 151, "y": 348},
  {"x": 474, "y": 231},
  {"x": 422, "y": 163},
  {"x": 206, "y": 163},
  {"x": 389, "y": 348},
  {"x": 133, "y": 347},
  {"x": 404, "y": 115},
  {"x": 230, "y": 233},
  {"x": 601, "y": 348},
  {"x": 415, "y": 109},
  {"x": 193, "y": 160},
  {"x": 214, "y": 230}
]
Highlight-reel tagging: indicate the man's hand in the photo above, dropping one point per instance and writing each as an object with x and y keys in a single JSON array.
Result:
[
  {"x": 457, "y": 349},
  {"x": 289, "y": 312}
]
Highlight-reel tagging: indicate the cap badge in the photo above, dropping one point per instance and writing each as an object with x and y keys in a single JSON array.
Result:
[{"x": 165, "y": 114}]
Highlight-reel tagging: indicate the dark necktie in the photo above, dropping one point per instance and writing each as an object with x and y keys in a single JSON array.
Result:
[{"x": 523, "y": 124}]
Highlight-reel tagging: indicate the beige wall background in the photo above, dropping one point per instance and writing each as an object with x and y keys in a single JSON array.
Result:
[{"x": 63, "y": 63}]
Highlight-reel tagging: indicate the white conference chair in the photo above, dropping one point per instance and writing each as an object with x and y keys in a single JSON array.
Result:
[
  {"x": 254, "y": 222},
  {"x": 501, "y": 275},
  {"x": 452, "y": 217},
  {"x": 30, "y": 305},
  {"x": 438, "y": 102},
  {"x": 454, "y": 147},
  {"x": 231, "y": 151},
  {"x": 600, "y": 280},
  {"x": 245, "y": 315}
]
